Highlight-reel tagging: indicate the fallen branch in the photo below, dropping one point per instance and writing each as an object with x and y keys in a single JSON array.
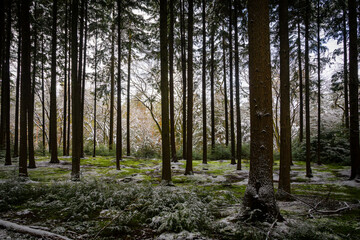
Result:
[{"x": 28, "y": 230}]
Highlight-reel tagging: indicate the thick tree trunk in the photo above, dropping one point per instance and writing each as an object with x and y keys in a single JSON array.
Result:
[
  {"x": 237, "y": 86},
  {"x": 259, "y": 192},
  {"x": 166, "y": 166},
  {"x": 183, "y": 69},
  {"x": 43, "y": 94},
  {"x": 128, "y": 101},
  {"x": 301, "y": 113},
  {"x": 118, "y": 120},
  {"x": 307, "y": 90},
  {"x": 25, "y": 84},
  {"x": 285, "y": 127},
  {"x": 354, "y": 92},
  {"x": 32, "y": 98},
  {"x": 76, "y": 97},
  {"x": 189, "y": 168},
  {"x": 5, "y": 98},
  {"x": 53, "y": 114},
  {"x": 232, "y": 124},
  {"x": 171, "y": 65}
]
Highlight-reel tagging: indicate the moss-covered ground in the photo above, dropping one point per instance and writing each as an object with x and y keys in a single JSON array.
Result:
[{"x": 131, "y": 203}]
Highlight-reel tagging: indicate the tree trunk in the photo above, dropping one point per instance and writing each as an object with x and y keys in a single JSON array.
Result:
[
  {"x": 232, "y": 127},
  {"x": 25, "y": 84},
  {"x": 118, "y": 120},
  {"x": 112, "y": 86},
  {"x": 171, "y": 65},
  {"x": 32, "y": 97},
  {"x": 189, "y": 168},
  {"x": 166, "y": 166},
  {"x": 128, "y": 100},
  {"x": 307, "y": 90},
  {"x": 354, "y": 94},
  {"x": 204, "y": 82},
  {"x": 237, "y": 86},
  {"x": 43, "y": 94},
  {"x": 319, "y": 85},
  {"x": 5, "y": 98},
  {"x": 212, "y": 83},
  {"x": 346, "y": 91},
  {"x": 17, "y": 94},
  {"x": 259, "y": 193},
  {"x": 76, "y": 97},
  {"x": 53, "y": 114},
  {"x": 301, "y": 113},
  {"x": 65, "y": 81},
  {"x": 285, "y": 127},
  {"x": 95, "y": 87},
  {"x": 225, "y": 93},
  {"x": 183, "y": 68}
]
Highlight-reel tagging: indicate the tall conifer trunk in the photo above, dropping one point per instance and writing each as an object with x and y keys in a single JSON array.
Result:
[
  {"x": 237, "y": 85},
  {"x": 118, "y": 120},
  {"x": 232, "y": 124},
  {"x": 112, "y": 85},
  {"x": 65, "y": 81},
  {"x": 128, "y": 149},
  {"x": 183, "y": 70}
]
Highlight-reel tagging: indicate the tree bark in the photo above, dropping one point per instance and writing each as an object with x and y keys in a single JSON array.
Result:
[
  {"x": 225, "y": 94},
  {"x": 183, "y": 69},
  {"x": 43, "y": 94},
  {"x": 53, "y": 114},
  {"x": 171, "y": 65},
  {"x": 65, "y": 81},
  {"x": 319, "y": 86},
  {"x": 32, "y": 97},
  {"x": 237, "y": 86},
  {"x": 301, "y": 113},
  {"x": 189, "y": 168},
  {"x": 346, "y": 90},
  {"x": 112, "y": 86},
  {"x": 95, "y": 86},
  {"x": 285, "y": 127},
  {"x": 128, "y": 150},
  {"x": 259, "y": 193},
  {"x": 232, "y": 125},
  {"x": 25, "y": 84},
  {"x": 307, "y": 90},
  {"x": 204, "y": 82},
  {"x": 212, "y": 87},
  {"x": 76, "y": 97},
  {"x": 354, "y": 93},
  {"x": 118, "y": 120},
  {"x": 166, "y": 166}
]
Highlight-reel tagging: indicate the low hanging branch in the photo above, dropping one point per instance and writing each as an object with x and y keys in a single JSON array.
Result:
[{"x": 31, "y": 231}]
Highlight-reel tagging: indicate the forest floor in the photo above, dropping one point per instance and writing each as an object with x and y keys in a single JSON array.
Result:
[{"x": 133, "y": 204}]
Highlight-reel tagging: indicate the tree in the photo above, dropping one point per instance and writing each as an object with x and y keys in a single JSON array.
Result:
[
  {"x": 76, "y": 97},
  {"x": 212, "y": 83},
  {"x": 183, "y": 70},
  {"x": 5, "y": 88},
  {"x": 285, "y": 127},
  {"x": 189, "y": 169},
  {"x": 225, "y": 93},
  {"x": 319, "y": 85},
  {"x": 171, "y": 65},
  {"x": 204, "y": 81},
  {"x": 128, "y": 100},
  {"x": 118, "y": 122},
  {"x": 95, "y": 84},
  {"x": 32, "y": 97},
  {"x": 301, "y": 112},
  {"x": 346, "y": 91},
  {"x": 166, "y": 168},
  {"x": 65, "y": 81},
  {"x": 307, "y": 90},
  {"x": 43, "y": 94},
  {"x": 259, "y": 193},
  {"x": 53, "y": 115},
  {"x": 237, "y": 86},
  {"x": 112, "y": 86},
  {"x": 354, "y": 94},
  {"x": 232, "y": 124},
  {"x": 25, "y": 84}
]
